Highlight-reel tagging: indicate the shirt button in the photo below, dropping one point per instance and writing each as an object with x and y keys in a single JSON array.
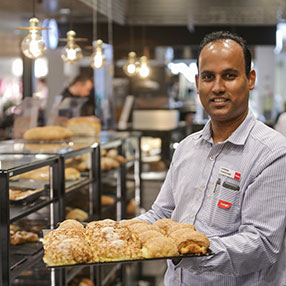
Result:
[
  {"x": 202, "y": 188},
  {"x": 177, "y": 276},
  {"x": 192, "y": 216},
  {"x": 212, "y": 158}
]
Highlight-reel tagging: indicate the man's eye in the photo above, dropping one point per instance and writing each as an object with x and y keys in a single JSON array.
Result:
[
  {"x": 230, "y": 76},
  {"x": 207, "y": 76}
]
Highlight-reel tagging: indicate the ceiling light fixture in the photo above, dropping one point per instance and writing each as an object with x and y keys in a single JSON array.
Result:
[
  {"x": 144, "y": 69},
  {"x": 98, "y": 59},
  {"x": 71, "y": 53},
  {"x": 130, "y": 68},
  {"x": 33, "y": 45}
]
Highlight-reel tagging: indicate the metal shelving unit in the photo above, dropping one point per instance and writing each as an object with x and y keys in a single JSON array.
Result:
[{"x": 13, "y": 165}]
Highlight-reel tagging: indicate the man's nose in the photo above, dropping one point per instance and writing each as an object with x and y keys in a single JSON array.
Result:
[{"x": 218, "y": 86}]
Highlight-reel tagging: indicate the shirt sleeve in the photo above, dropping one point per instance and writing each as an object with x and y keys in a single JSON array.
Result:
[{"x": 260, "y": 238}]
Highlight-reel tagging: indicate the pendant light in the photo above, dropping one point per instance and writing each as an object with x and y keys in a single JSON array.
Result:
[
  {"x": 71, "y": 53},
  {"x": 130, "y": 68},
  {"x": 144, "y": 69},
  {"x": 33, "y": 45},
  {"x": 98, "y": 59}
]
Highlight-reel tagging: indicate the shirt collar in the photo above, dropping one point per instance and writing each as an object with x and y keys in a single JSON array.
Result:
[{"x": 239, "y": 136}]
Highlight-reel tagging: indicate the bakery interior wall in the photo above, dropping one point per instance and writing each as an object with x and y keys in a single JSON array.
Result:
[{"x": 180, "y": 37}]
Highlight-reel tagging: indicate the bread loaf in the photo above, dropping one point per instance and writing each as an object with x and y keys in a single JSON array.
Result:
[
  {"x": 47, "y": 133},
  {"x": 84, "y": 126}
]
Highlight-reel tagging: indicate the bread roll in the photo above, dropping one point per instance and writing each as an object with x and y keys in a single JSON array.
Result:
[
  {"x": 107, "y": 200},
  {"x": 84, "y": 126},
  {"x": 77, "y": 214},
  {"x": 47, "y": 133}
]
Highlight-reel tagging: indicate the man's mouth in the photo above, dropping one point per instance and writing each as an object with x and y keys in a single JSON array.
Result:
[{"x": 219, "y": 100}]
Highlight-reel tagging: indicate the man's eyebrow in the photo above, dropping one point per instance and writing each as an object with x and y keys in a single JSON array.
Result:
[
  {"x": 230, "y": 70},
  {"x": 224, "y": 71}
]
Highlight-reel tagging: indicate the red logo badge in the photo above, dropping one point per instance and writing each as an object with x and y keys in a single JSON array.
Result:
[
  {"x": 237, "y": 176},
  {"x": 223, "y": 204}
]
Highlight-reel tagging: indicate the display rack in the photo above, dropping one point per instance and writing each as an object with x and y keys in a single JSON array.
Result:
[
  {"x": 11, "y": 166},
  {"x": 62, "y": 152}
]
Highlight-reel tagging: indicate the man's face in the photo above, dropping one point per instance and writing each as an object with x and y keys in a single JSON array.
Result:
[
  {"x": 222, "y": 83},
  {"x": 85, "y": 88}
]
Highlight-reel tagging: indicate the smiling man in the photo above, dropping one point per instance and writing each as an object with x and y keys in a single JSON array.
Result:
[{"x": 228, "y": 179}]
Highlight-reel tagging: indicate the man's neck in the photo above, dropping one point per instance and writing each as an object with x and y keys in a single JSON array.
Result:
[{"x": 222, "y": 130}]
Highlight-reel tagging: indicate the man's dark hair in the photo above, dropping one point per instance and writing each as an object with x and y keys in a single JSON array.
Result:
[
  {"x": 81, "y": 78},
  {"x": 221, "y": 35}
]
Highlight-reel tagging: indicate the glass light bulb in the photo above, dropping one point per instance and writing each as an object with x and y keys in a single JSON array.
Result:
[
  {"x": 144, "y": 69},
  {"x": 98, "y": 59},
  {"x": 33, "y": 45},
  {"x": 71, "y": 53},
  {"x": 131, "y": 67}
]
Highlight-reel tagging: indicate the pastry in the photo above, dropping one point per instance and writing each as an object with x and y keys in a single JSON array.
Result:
[
  {"x": 164, "y": 223},
  {"x": 47, "y": 133},
  {"x": 20, "y": 237},
  {"x": 148, "y": 234},
  {"x": 113, "y": 153},
  {"x": 42, "y": 174},
  {"x": 77, "y": 214},
  {"x": 109, "y": 240},
  {"x": 159, "y": 247},
  {"x": 84, "y": 126},
  {"x": 107, "y": 200},
  {"x": 173, "y": 227},
  {"x": 189, "y": 241},
  {"x": 108, "y": 163},
  {"x": 66, "y": 251},
  {"x": 139, "y": 227}
]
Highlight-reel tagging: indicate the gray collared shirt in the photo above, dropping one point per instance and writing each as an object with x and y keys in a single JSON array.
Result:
[{"x": 235, "y": 193}]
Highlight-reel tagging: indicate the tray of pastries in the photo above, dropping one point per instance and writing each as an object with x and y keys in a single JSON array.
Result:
[
  {"x": 18, "y": 195},
  {"x": 107, "y": 241}
]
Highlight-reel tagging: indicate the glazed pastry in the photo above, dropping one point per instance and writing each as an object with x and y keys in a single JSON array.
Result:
[
  {"x": 141, "y": 226},
  {"x": 189, "y": 241},
  {"x": 173, "y": 227},
  {"x": 20, "y": 237},
  {"x": 66, "y": 251},
  {"x": 149, "y": 234},
  {"x": 164, "y": 224},
  {"x": 159, "y": 247}
]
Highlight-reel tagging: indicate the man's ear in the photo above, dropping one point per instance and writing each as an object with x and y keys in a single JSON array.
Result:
[
  {"x": 197, "y": 83},
  {"x": 251, "y": 79}
]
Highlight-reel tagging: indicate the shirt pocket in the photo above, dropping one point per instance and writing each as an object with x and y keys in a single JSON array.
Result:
[{"x": 225, "y": 207}]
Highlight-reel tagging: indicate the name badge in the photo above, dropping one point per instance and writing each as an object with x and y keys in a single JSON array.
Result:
[
  {"x": 230, "y": 173},
  {"x": 224, "y": 204}
]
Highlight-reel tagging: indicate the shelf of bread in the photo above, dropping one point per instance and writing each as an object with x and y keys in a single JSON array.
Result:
[{"x": 108, "y": 241}]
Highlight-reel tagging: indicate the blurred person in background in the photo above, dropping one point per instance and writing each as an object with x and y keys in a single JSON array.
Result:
[{"x": 82, "y": 87}]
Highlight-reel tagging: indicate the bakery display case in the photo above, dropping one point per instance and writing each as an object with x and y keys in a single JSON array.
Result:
[
  {"x": 106, "y": 181},
  {"x": 21, "y": 247}
]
